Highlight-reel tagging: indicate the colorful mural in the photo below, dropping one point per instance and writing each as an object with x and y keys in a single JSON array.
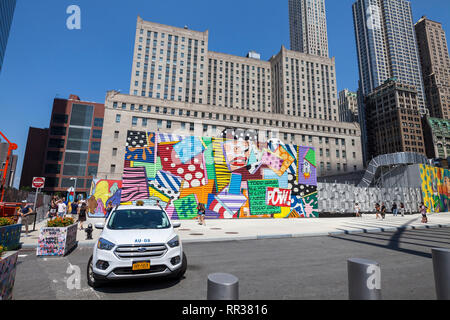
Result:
[
  {"x": 435, "y": 188},
  {"x": 234, "y": 176},
  {"x": 102, "y": 193}
]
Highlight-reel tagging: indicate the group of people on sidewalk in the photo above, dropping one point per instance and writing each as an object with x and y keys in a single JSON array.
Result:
[
  {"x": 58, "y": 207},
  {"x": 381, "y": 211}
]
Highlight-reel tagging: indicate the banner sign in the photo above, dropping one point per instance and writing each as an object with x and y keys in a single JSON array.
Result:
[
  {"x": 278, "y": 197},
  {"x": 257, "y": 196}
]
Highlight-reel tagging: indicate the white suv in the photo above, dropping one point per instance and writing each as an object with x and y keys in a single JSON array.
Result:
[{"x": 136, "y": 242}]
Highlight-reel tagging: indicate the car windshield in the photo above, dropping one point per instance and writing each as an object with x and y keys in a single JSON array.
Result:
[{"x": 128, "y": 219}]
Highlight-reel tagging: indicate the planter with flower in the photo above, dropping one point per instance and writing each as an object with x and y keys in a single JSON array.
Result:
[
  {"x": 9, "y": 233},
  {"x": 8, "y": 262},
  {"x": 58, "y": 238}
]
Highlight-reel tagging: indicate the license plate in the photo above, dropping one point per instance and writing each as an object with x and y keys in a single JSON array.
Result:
[{"x": 141, "y": 266}]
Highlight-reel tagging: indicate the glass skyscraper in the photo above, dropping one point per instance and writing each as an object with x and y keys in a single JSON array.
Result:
[
  {"x": 6, "y": 15},
  {"x": 386, "y": 48},
  {"x": 308, "y": 27}
]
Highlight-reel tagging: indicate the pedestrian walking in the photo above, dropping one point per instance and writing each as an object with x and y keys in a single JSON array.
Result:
[
  {"x": 82, "y": 211},
  {"x": 383, "y": 210},
  {"x": 23, "y": 212},
  {"x": 52, "y": 208},
  {"x": 394, "y": 209},
  {"x": 402, "y": 209},
  {"x": 357, "y": 210},
  {"x": 62, "y": 208},
  {"x": 74, "y": 207},
  {"x": 423, "y": 211},
  {"x": 201, "y": 214},
  {"x": 377, "y": 210}
]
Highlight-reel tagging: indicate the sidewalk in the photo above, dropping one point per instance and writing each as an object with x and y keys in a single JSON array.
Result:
[{"x": 255, "y": 229}]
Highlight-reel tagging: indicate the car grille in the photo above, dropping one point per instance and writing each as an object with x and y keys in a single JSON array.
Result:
[
  {"x": 129, "y": 270},
  {"x": 141, "y": 251}
]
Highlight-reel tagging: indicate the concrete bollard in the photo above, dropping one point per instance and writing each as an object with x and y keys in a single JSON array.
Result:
[
  {"x": 222, "y": 286},
  {"x": 364, "y": 279},
  {"x": 441, "y": 268}
]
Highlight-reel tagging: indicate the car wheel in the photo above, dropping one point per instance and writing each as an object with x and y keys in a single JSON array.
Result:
[
  {"x": 92, "y": 280},
  {"x": 180, "y": 273}
]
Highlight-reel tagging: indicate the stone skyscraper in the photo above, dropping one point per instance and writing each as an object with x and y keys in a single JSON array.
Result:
[
  {"x": 386, "y": 49},
  {"x": 308, "y": 27},
  {"x": 435, "y": 62},
  {"x": 6, "y": 15}
]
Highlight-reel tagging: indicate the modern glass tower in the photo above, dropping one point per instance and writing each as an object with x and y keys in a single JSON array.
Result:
[
  {"x": 308, "y": 27},
  {"x": 386, "y": 48},
  {"x": 6, "y": 15}
]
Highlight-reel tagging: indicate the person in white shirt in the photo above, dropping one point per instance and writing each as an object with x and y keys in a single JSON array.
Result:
[
  {"x": 357, "y": 210},
  {"x": 62, "y": 208}
]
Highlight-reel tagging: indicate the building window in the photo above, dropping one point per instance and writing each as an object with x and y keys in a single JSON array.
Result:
[
  {"x": 114, "y": 152},
  {"x": 92, "y": 171},
  {"x": 134, "y": 121},
  {"x": 81, "y": 115},
  {"x": 117, "y": 118},
  {"x": 94, "y": 157},
  {"x": 97, "y": 134},
  {"x": 52, "y": 168},
  {"x": 113, "y": 168},
  {"x": 116, "y": 135},
  {"x": 95, "y": 146},
  {"x": 98, "y": 122}
]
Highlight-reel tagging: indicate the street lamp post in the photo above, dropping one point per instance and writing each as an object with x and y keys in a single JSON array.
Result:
[{"x": 74, "y": 189}]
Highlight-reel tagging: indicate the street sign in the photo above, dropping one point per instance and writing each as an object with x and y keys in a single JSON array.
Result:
[{"x": 38, "y": 182}]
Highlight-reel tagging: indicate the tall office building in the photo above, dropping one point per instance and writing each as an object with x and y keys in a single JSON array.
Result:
[
  {"x": 68, "y": 149},
  {"x": 386, "y": 48},
  {"x": 178, "y": 85},
  {"x": 11, "y": 171},
  {"x": 435, "y": 62},
  {"x": 348, "y": 106},
  {"x": 308, "y": 27},
  {"x": 6, "y": 15},
  {"x": 175, "y": 64},
  {"x": 393, "y": 120}
]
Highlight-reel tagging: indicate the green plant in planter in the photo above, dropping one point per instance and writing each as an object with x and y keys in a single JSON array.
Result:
[
  {"x": 60, "y": 222},
  {"x": 6, "y": 222}
]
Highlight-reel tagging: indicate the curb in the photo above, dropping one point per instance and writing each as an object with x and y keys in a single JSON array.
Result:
[{"x": 283, "y": 236}]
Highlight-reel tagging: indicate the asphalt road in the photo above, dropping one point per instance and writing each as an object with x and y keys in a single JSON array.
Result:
[{"x": 298, "y": 268}]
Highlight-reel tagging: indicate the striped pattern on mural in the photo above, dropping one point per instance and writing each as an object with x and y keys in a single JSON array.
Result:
[
  {"x": 134, "y": 184},
  {"x": 168, "y": 181},
  {"x": 223, "y": 174},
  {"x": 293, "y": 151},
  {"x": 164, "y": 137}
]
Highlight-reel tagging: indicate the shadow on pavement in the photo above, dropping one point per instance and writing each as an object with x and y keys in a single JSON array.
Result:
[
  {"x": 138, "y": 285},
  {"x": 394, "y": 241}
]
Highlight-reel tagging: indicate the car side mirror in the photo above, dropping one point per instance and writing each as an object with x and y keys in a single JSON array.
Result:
[
  {"x": 99, "y": 226},
  {"x": 176, "y": 224}
]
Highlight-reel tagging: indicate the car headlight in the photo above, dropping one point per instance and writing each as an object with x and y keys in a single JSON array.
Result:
[
  {"x": 175, "y": 242},
  {"x": 105, "y": 244}
]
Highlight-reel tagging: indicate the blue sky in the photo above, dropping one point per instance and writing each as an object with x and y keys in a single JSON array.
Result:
[{"x": 45, "y": 60}]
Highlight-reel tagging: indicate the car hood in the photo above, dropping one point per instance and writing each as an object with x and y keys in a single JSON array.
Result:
[{"x": 137, "y": 237}]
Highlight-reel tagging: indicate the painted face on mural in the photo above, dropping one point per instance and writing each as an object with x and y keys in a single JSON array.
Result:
[{"x": 237, "y": 153}]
